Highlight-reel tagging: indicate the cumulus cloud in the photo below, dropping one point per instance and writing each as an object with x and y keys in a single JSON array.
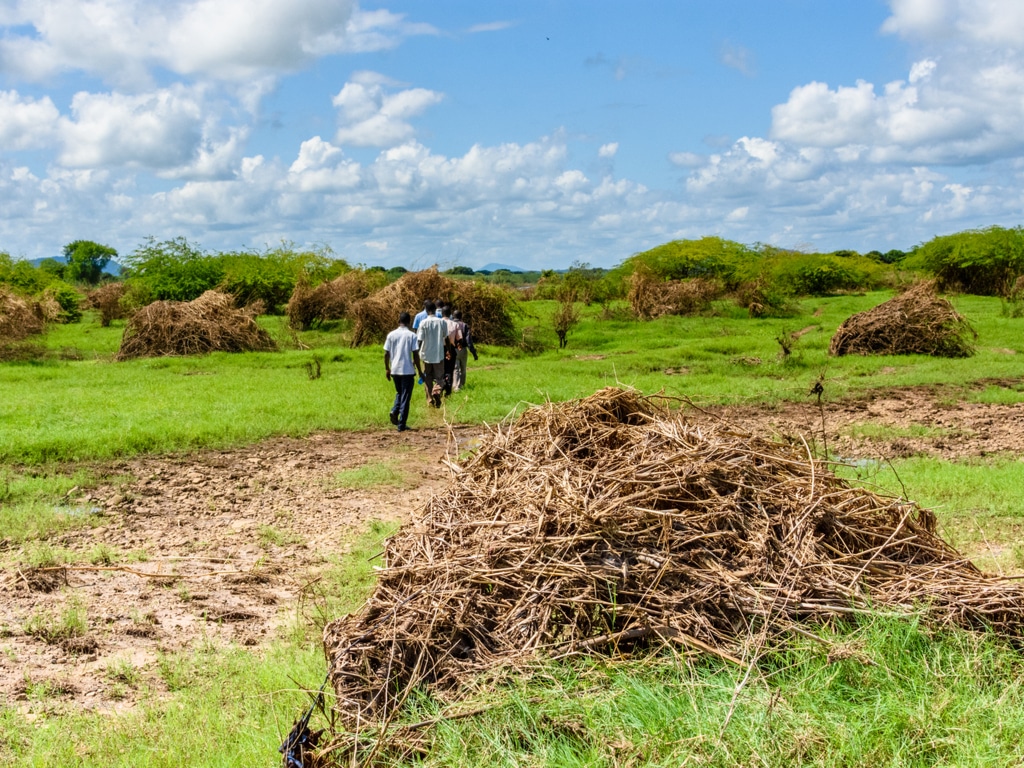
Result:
[
  {"x": 168, "y": 131},
  {"x": 124, "y": 41},
  {"x": 26, "y": 123},
  {"x": 989, "y": 22},
  {"x": 942, "y": 115},
  {"x": 608, "y": 150},
  {"x": 372, "y": 116}
]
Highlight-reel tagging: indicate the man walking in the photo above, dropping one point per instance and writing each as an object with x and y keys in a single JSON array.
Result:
[
  {"x": 462, "y": 349},
  {"x": 401, "y": 364},
  {"x": 431, "y": 336}
]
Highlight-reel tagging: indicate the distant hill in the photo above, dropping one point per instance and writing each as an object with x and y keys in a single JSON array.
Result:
[
  {"x": 113, "y": 268},
  {"x": 493, "y": 267}
]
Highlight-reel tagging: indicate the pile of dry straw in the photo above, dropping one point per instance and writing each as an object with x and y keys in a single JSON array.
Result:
[
  {"x": 650, "y": 297},
  {"x": 20, "y": 317},
  {"x": 333, "y": 300},
  {"x": 916, "y": 322},
  {"x": 609, "y": 524},
  {"x": 488, "y": 308},
  {"x": 210, "y": 323}
]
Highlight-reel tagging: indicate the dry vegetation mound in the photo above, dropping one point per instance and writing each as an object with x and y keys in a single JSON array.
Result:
[
  {"x": 19, "y": 317},
  {"x": 210, "y": 323},
  {"x": 651, "y": 297},
  {"x": 107, "y": 299},
  {"x": 916, "y": 322},
  {"x": 487, "y": 308},
  {"x": 333, "y": 300},
  {"x": 610, "y": 523}
]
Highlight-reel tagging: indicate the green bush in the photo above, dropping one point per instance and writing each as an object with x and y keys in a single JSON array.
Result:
[
  {"x": 815, "y": 274},
  {"x": 985, "y": 262},
  {"x": 271, "y": 277},
  {"x": 711, "y": 258},
  {"x": 22, "y": 276},
  {"x": 69, "y": 300},
  {"x": 176, "y": 270},
  {"x": 172, "y": 270}
]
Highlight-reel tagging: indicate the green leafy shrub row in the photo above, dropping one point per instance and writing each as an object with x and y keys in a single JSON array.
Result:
[
  {"x": 177, "y": 270},
  {"x": 40, "y": 283},
  {"x": 985, "y": 262}
]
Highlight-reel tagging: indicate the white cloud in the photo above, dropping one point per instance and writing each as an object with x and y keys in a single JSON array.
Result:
[
  {"x": 988, "y": 22},
  {"x": 373, "y": 117},
  {"x": 947, "y": 114},
  {"x": 687, "y": 159},
  {"x": 168, "y": 131},
  {"x": 737, "y": 57},
  {"x": 493, "y": 26},
  {"x": 608, "y": 150},
  {"x": 26, "y": 123},
  {"x": 124, "y": 41}
]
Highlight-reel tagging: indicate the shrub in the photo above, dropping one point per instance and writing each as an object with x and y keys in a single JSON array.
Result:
[
  {"x": 68, "y": 299},
  {"x": 815, "y": 274},
  {"x": 173, "y": 270},
  {"x": 108, "y": 300},
  {"x": 980, "y": 261},
  {"x": 710, "y": 258}
]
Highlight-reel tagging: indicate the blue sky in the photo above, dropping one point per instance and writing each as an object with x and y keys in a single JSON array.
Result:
[{"x": 528, "y": 133}]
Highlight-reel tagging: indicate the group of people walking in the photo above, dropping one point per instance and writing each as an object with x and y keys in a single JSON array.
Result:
[{"x": 436, "y": 347}]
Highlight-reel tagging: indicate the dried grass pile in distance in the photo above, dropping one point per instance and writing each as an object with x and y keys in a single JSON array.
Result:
[
  {"x": 332, "y": 300},
  {"x": 488, "y": 308},
  {"x": 916, "y": 322},
  {"x": 651, "y": 297},
  {"x": 20, "y": 317},
  {"x": 610, "y": 523},
  {"x": 210, "y": 323},
  {"x": 107, "y": 299}
]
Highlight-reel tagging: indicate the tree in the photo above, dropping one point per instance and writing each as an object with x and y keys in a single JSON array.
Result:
[{"x": 86, "y": 260}]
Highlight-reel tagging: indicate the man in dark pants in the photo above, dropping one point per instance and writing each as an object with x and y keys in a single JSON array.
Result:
[
  {"x": 432, "y": 335},
  {"x": 401, "y": 365}
]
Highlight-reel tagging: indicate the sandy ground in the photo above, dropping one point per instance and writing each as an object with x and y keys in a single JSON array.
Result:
[{"x": 231, "y": 538}]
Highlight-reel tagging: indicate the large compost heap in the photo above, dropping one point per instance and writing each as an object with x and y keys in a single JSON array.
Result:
[
  {"x": 611, "y": 523},
  {"x": 916, "y": 322},
  {"x": 209, "y": 323}
]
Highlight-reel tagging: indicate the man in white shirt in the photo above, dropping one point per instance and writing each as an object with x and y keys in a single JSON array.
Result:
[
  {"x": 431, "y": 336},
  {"x": 401, "y": 364}
]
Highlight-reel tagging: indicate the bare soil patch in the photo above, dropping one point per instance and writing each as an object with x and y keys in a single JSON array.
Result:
[
  {"x": 213, "y": 545},
  {"x": 929, "y": 421}
]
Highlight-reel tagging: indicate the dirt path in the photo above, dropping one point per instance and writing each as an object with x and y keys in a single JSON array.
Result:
[{"x": 219, "y": 544}]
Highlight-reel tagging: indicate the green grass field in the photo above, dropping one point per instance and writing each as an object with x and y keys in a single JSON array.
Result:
[
  {"x": 64, "y": 409},
  {"x": 884, "y": 692}
]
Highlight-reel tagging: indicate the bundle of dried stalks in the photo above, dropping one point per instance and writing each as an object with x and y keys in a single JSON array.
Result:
[
  {"x": 916, "y": 322},
  {"x": 651, "y": 297},
  {"x": 333, "y": 300},
  {"x": 608, "y": 524},
  {"x": 210, "y": 323},
  {"x": 19, "y": 316},
  {"x": 488, "y": 308},
  {"x": 107, "y": 299}
]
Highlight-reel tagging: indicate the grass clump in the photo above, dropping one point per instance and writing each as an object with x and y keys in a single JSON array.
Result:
[
  {"x": 372, "y": 475},
  {"x": 70, "y": 622}
]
